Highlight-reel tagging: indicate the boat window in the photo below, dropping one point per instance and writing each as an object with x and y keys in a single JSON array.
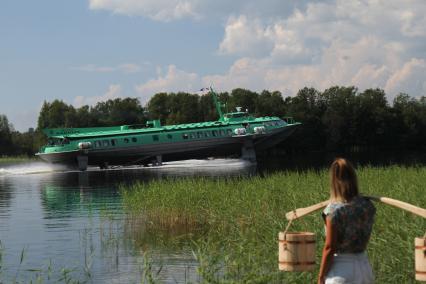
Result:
[
  {"x": 185, "y": 136},
  {"x": 113, "y": 142},
  {"x": 155, "y": 137},
  {"x": 207, "y": 134},
  {"x": 126, "y": 140},
  {"x": 200, "y": 134},
  {"x": 57, "y": 142},
  {"x": 214, "y": 132},
  {"x": 229, "y": 131},
  {"x": 169, "y": 136},
  {"x": 134, "y": 140},
  {"x": 192, "y": 135},
  {"x": 105, "y": 143},
  {"x": 98, "y": 144},
  {"x": 222, "y": 132}
]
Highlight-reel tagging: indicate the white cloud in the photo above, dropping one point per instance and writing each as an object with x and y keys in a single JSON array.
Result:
[
  {"x": 173, "y": 80},
  {"x": 125, "y": 68},
  {"x": 363, "y": 43},
  {"x": 408, "y": 79},
  {"x": 161, "y": 10},
  {"x": 168, "y": 10},
  {"x": 245, "y": 72},
  {"x": 113, "y": 92},
  {"x": 129, "y": 68},
  {"x": 286, "y": 45},
  {"x": 245, "y": 37}
]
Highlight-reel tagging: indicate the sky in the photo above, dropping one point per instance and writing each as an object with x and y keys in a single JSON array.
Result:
[{"x": 86, "y": 51}]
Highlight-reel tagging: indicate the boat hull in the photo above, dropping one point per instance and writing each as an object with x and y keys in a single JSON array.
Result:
[{"x": 173, "y": 151}]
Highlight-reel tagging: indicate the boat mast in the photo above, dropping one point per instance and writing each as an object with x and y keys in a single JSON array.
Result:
[{"x": 217, "y": 104}]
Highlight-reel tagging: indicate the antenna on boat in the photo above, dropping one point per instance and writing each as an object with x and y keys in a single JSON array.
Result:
[{"x": 216, "y": 102}]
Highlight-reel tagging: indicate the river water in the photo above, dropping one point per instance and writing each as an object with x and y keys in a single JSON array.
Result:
[{"x": 59, "y": 223}]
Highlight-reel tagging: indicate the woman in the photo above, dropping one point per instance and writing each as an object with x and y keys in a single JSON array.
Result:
[{"x": 348, "y": 220}]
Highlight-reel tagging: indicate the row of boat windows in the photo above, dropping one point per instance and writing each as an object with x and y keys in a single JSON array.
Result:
[
  {"x": 191, "y": 135},
  {"x": 113, "y": 142},
  {"x": 206, "y": 134}
]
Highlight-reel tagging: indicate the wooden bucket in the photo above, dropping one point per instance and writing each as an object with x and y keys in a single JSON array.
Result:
[
  {"x": 296, "y": 251},
  {"x": 420, "y": 258}
]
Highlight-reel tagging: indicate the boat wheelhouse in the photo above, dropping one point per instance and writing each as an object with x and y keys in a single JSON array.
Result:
[{"x": 235, "y": 133}]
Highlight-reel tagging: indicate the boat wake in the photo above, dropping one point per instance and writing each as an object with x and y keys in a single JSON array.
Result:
[
  {"x": 213, "y": 167},
  {"x": 30, "y": 168},
  {"x": 222, "y": 164}
]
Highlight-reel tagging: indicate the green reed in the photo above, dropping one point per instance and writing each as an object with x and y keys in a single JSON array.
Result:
[{"x": 239, "y": 220}]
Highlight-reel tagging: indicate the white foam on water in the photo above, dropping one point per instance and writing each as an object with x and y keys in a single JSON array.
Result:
[
  {"x": 193, "y": 165},
  {"x": 221, "y": 164},
  {"x": 31, "y": 168}
]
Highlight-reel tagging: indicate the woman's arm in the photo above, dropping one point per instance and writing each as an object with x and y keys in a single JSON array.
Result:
[{"x": 329, "y": 249}]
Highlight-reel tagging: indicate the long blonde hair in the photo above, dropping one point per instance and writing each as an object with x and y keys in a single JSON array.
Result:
[{"x": 343, "y": 181}]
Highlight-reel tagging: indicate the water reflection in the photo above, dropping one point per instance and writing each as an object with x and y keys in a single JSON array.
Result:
[
  {"x": 5, "y": 196},
  {"x": 75, "y": 219}
]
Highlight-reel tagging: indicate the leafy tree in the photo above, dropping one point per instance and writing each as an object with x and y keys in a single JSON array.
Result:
[
  {"x": 183, "y": 108},
  {"x": 84, "y": 118},
  {"x": 118, "y": 112},
  {"x": 410, "y": 120},
  {"x": 308, "y": 108},
  {"x": 243, "y": 98},
  {"x": 372, "y": 119},
  {"x": 25, "y": 143},
  {"x": 5, "y": 135},
  {"x": 339, "y": 117},
  {"x": 158, "y": 107},
  {"x": 207, "y": 110},
  {"x": 270, "y": 104},
  {"x": 56, "y": 114}
]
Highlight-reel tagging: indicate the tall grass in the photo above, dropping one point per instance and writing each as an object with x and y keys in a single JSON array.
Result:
[{"x": 239, "y": 220}]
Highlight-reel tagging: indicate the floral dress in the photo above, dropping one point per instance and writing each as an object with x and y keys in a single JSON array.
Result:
[{"x": 353, "y": 222}]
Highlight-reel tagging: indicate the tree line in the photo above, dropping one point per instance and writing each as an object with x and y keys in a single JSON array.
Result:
[{"x": 337, "y": 119}]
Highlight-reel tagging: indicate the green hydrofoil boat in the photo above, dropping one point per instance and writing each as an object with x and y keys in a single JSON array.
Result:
[{"x": 235, "y": 133}]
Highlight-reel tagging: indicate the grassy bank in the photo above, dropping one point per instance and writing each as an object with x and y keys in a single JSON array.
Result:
[
  {"x": 15, "y": 159},
  {"x": 239, "y": 220}
]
